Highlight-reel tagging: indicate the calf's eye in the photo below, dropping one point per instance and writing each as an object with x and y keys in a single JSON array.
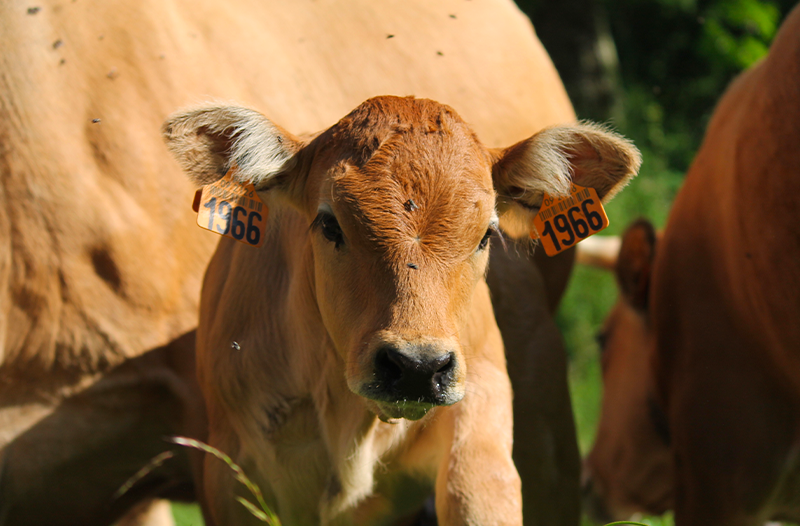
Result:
[
  {"x": 485, "y": 239},
  {"x": 330, "y": 229}
]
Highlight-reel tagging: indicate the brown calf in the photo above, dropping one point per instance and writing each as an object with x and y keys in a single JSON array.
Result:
[
  {"x": 701, "y": 411},
  {"x": 369, "y": 368}
]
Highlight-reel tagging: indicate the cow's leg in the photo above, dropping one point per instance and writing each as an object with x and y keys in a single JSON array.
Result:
[
  {"x": 66, "y": 466},
  {"x": 545, "y": 445},
  {"x": 731, "y": 449},
  {"x": 477, "y": 482}
]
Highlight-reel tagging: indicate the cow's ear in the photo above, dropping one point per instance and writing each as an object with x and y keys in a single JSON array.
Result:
[
  {"x": 635, "y": 263},
  {"x": 549, "y": 161},
  {"x": 208, "y": 140}
]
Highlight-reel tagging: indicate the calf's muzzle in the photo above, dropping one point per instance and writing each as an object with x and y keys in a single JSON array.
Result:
[{"x": 417, "y": 374}]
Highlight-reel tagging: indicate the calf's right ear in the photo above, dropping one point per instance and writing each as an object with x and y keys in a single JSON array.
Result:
[
  {"x": 207, "y": 141},
  {"x": 550, "y": 161}
]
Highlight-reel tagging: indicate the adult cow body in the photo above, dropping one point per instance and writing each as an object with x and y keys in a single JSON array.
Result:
[
  {"x": 102, "y": 262},
  {"x": 701, "y": 410}
]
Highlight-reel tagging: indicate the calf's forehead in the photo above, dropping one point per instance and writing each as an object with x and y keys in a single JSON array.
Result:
[{"x": 410, "y": 169}]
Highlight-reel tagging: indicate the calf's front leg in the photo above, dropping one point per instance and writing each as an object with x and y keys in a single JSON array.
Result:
[{"x": 477, "y": 483}]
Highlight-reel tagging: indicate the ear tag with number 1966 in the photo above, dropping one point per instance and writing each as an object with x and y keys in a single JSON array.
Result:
[
  {"x": 563, "y": 222},
  {"x": 232, "y": 209}
]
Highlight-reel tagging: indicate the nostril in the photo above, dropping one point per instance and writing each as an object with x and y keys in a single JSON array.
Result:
[
  {"x": 443, "y": 364},
  {"x": 414, "y": 376},
  {"x": 443, "y": 375},
  {"x": 390, "y": 363}
]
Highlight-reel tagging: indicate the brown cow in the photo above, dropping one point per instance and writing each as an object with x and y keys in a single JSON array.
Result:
[
  {"x": 102, "y": 263},
  {"x": 701, "y": 361},
  {"x": 367, "y": 366}
]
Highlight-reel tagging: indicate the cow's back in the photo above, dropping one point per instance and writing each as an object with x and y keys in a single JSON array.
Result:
[{"x": 732, "y": 231}]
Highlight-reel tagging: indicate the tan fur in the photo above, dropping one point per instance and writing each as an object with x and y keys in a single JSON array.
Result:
[
  {"x": 311, "y": 316},
  {"x": 101, "y": 261},
  {"x": 712, "y": 358}
]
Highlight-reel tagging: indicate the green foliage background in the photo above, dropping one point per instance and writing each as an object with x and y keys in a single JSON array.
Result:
[{"x": 675, "y": 59}]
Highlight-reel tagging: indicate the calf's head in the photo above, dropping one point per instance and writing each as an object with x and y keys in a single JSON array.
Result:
[
  {"x": 629, "y": 469},
  {"x": 401, "y": 199}
]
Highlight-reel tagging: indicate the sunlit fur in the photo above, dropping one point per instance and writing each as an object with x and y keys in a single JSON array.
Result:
[{"x": 437, "y": 162}]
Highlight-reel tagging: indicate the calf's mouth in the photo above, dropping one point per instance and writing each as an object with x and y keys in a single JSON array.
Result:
[{"x": 408, "y": 380}]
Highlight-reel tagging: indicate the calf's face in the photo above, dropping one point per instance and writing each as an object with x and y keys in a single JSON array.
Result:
[
  {"x": 401, "y": 199},
  {"x": 402, "y": 204}
]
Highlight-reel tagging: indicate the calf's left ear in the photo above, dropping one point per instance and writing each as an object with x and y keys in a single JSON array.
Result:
[
  {"x": 549, "y": 161},
  {"x": 209, "y": 140}
]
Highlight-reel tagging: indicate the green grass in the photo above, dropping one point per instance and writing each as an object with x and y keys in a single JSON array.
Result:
[{"x": 187, "y": 514}]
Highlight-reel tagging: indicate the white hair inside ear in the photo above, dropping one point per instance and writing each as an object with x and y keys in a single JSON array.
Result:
[
  {"x": 207, "y": 141},
  {"x": 550, "y": 161}
]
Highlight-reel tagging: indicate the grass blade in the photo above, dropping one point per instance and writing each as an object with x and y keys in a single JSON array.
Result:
[
  {"x": 264, "y": 513},
  {"x": 154, "y": 463},
  {"x": 260, "y": 515}
]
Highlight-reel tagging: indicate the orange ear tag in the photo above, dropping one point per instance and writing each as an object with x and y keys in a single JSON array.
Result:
[
  {"x": 233, "y": 210},
  {"x": 563, "y": 222}
]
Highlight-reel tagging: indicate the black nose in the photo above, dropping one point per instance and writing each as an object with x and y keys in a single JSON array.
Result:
[{"x": 418, "y": 375}]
